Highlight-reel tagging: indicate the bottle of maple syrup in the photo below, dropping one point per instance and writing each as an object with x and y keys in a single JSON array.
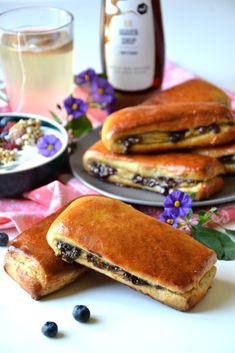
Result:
[{"x": 132, "y": 44}]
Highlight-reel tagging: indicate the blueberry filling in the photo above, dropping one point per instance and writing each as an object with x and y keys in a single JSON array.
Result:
[
  {"x": 164, "y": 182},
  {"x": 227, "y": 159},
  {"x": 68, "y": 252},
  {"x": 101, "y": 170},
  {"x": 71, "y": 253},
  {"x": 129, "y": 141},
  {"x": 173, "y": 136},
  {"x": 135, "y": 280},
  {"x": 97, "y": 262},
  {"x": 211, "y": 128},
  {"x": 202, "y": 129}
]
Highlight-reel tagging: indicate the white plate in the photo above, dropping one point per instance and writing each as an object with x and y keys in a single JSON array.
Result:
[{"x": 132, "y": 195}]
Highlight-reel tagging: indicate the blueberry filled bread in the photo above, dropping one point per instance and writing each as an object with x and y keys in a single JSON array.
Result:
[
  {"x": 149, "y": 256},
  {"x": 225, "y": 154},
  {"x": 32, "y": 263},
  {"x": 173, "y": 126},
  {"x": 194, "y": 90},
  {"x": 162, "y": 173}
]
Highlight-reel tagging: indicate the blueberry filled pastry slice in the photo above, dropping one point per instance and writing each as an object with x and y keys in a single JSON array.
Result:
[
  {"x": 32, "y": 263},
  {"x": 194, "y": 90},
  {"x": 147, "y": 255},
  {"x": 225, "y": 154},
  {"x": 162, "y": 173},
  {"x": 157, "y": 128}
]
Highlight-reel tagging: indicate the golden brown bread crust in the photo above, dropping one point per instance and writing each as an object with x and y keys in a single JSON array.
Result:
[
  {"x": 209, "y": 187},
  {"x": 200, "y": 174},
  {"x": 225, "y": 154},
  {"x": 184, "y": 165},
  {"x": 218, "y": 151},
  {"x": 195, "y": 90},
  {"x": 32, "y": 263},
  {"x": 118, "y": 234},
  {"x": 154, "y": 120}
]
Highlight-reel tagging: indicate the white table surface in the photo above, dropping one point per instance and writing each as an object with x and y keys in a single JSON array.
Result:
[
  {"x": 200, "y": 36},
  {"x": 122, "y": 320}
]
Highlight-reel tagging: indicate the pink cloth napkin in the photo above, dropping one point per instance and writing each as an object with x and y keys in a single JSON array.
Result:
[{"x": 37, "y": 204}]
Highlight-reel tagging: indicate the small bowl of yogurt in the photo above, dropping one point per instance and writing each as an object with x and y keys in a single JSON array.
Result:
[{"x": 33, "y": 152}]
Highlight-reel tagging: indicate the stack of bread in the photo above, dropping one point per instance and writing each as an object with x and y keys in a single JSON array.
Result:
[
  {"x": 177, "y": 139},
  {"x": 111, "y": 237},
  {"x": 152, "y": 146}
]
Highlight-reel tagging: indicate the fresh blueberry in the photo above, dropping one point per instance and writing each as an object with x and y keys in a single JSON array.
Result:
[
  {"x": 81, "y": 313},
  {"x": 50, "y": 329},
  {"x": 4, "y": 121},
  {"x": 4, "y": 239}
]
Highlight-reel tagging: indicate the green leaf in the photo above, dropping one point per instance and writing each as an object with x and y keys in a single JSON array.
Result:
[
  {"x": 229, "y": 231},
  {"x": 202, "y": 217},
  {"x": 190, "y": 214},
  {"x": 206, "y": 216},
  {"x": 191, "y": 194},
  {"x": 55, "y": 117},
  {"x": 80, "y": 126},
  {"x": 223, "y": 246},
  {"x": 103, "y": 75}
]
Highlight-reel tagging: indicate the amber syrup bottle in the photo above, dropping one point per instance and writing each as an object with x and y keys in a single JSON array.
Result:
[{"x": 132, "y": 45}]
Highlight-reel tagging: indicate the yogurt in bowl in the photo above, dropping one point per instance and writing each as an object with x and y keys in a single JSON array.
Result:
[{"x": 37, "y": 152}]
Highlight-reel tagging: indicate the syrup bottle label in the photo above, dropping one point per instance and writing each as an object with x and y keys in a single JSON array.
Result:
[{"x": 129, "y": 44}]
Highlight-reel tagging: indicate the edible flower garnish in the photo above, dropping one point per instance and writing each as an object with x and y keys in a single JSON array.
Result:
[
  {"x": 91, "y": 91},
  {"x": 75, "y": 107},
  {"x": 179, "y": 202},
  {"x": 85, "y": 77},
  {"x": 102, "y": 91},
  {"x": 178, "y": 213},
  {"x": 169, "y": 217},
  {"x": 49, "y": 145}
]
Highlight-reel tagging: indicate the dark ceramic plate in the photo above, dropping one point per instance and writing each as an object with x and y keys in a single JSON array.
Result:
[
  {"x": 131, "y": 195},
  {"x": 31, "y": 169}
]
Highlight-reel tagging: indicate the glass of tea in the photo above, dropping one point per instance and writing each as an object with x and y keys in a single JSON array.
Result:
[{"x": 36, "y": 45}]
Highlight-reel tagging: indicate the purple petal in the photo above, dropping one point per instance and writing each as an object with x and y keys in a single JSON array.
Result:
[
  {"x": 50, "y": 139},
  {"x": 46, "y": 141},
  {"x": 169, "y": 215},
  {"x": 185, "y": 202},
  {"x": 107, "y": 95},
  {"x": 75, "y": 106},
  {"x": 85, "y": 77}
]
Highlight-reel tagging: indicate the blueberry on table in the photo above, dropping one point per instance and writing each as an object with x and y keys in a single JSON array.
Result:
[
  {"x": 50, "y": 329},
  {"x": 81, "y": 313},
  {"x": 4, "y": 239}
]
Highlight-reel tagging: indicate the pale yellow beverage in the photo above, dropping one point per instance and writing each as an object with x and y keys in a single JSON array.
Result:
[
  {"x": 37, "y": 70},
  {"x": 36, "y": 45}
]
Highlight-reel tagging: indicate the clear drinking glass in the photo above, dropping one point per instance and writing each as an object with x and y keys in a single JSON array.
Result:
[{"x": 36, "y": 46}]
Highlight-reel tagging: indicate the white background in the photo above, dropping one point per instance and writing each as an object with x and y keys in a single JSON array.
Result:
[{"x": 199, "y": 34}]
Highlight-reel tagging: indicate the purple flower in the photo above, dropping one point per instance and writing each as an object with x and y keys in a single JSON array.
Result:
[
  {"x": 169, "y": 217},
  {"x": 109, "y": 109},
  {"x": 102, "y": 91},
  {"x": 48, "y": 145},
  {"x": 75, "y": 106},
  {"x": 85, "y": 77},
  {"x": 178, "y": 202}
]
